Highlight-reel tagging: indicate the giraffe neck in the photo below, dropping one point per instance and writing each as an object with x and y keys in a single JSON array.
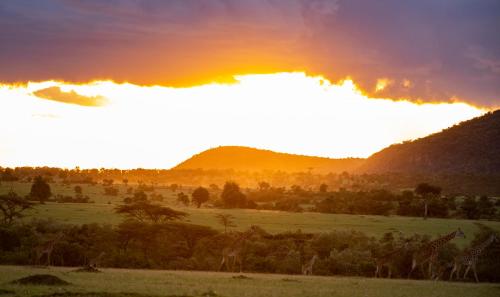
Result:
[
  {"x": 443, "y": 240},
  {"x": 239, "y": 241},
  {"x": 478, "y": 249}
]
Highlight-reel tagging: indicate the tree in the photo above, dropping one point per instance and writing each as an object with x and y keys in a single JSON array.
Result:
[
  {"x": 12, "y": 206},
  {"x": 183, "y": 198},
  {"x": 264, "y": 186},
  {"x": 40, "y": 189},
  {"x": 8, "y": 175},
  {"x": 232, "y": 197},
  {"x": 486, "y": 207},
  {"x": 199, "y": 196},
  {"x": 139, "y": 196},
  {"x": 145, "y": 211},
  {"x": 214, "y": 187},
  {"x": 225, "y": 220},
  {"x": 78, "y": 190},
  {"x": 174, "y": 187},
  {"x": 427, "y": 191},
  {"x": 470, "y": 208},
  {"x": 323, "y": 188}
]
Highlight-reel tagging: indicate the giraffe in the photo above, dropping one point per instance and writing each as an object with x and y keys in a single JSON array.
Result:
[
  {"x": 46, "y": 248},
  {"x": 96, "y": 261},
  {"x": 388, "y": 260},
  {"x": 307, "y": 269},
  {"x": 470, "y": 257},
  {"x": 429, "y": 252},
  {"x": 235, "y": 249}
]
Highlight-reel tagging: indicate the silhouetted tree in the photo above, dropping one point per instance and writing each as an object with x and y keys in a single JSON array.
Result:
[
  {"x": 139, "y": 196},
  {"x": 78, "y": 189},
  {"x": 486, "y": 207},
  {"x": 8, "y": 175},
  {"x": 470, "y": 208},
  {"x": 183, "y": 198},
  {"x": 427, "y": 191},
  {"x": 323, "y": 188},
  {"x": 145, "y": 211},
  {"x": 40, "y": 189},
  {"x": 264, "y": 186},
  {"x": 225, "y": 220},
  {"x": 232, "y": 196},
  {"x": 199, "y": 196},
  {"x": 12, "y": 206},
  {"x": 174, "y": 187}
]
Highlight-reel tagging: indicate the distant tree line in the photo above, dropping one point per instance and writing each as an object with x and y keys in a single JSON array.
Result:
[{"x": 451, "y": 184}]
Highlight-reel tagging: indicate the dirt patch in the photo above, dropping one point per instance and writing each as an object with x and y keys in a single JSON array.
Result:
[
  {"x": 87, "y": 269},
  {"x": 291, "y": 280},
  {"x": 241, "y": 276},
  {"x": 40, "y": 279}
]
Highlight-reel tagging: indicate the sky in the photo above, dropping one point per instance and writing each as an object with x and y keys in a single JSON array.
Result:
[{"x": 148, "y": 83}]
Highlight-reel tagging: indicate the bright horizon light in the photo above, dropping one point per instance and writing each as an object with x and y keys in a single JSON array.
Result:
[{"x": 106, "y": 124}]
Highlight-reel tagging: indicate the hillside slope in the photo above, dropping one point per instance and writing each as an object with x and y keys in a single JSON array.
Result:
[
  {"x": 469, "y": 147},
  {"x": 251, "y": 159}
]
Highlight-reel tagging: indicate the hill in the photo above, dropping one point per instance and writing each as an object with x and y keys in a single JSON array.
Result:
[
  {"x": 250, "y": 159},
  {"x": 469, "y": 147}
]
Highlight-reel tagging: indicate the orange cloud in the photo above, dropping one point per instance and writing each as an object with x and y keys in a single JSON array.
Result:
[{"x": 71, "y": 97}]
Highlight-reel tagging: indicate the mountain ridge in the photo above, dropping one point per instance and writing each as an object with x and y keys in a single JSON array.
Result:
[
  {"x": 469, "y": 147},
  {"x": 241, "y": 158}
]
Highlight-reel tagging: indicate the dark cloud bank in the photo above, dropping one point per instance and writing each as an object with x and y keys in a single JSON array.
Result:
[{"x": 445, "y": 48}]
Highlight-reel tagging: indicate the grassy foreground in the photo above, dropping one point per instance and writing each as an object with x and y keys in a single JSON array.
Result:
[{"x": 186, "y": 283}]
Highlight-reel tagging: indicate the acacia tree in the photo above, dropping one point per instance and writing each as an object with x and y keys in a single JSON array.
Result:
[
  {"x": 145, "y": 211},
  {"x": 225, "y": 220},
  {"x": 12, "y": 206},
  {"x": 199, "y": 196},
  {"x": 40, "y": 189},
  {"x": 427, "y": 192}
]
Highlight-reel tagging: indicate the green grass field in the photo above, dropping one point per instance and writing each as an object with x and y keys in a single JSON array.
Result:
[
  {"x": 184, "y": 283},
  {"x": 273, "y": 221}
]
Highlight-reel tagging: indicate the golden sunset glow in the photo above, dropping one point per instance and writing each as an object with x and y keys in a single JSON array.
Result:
[{"x": 105, "y": 124}]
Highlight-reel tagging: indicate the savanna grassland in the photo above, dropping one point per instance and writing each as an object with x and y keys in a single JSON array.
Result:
[
  {"x": 115, "y": 282},
  {"x": 177, "y": 259},
  {"x": 102, "y": 212}
]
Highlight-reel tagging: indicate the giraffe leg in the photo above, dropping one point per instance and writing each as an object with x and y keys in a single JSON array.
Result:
[
  {"x": 458, "y": 272},
  {"x": 475, "y": 273},
  {"x": 233, "y": 267},
  {"x": 413, "y": 265},
  {"x": 222, "y": 263},
  {"x": 429, "y": 271},
  {"x": 466, "y": 271},
  {"x": 390, "y": 272},
  {"x": 453, "y": 271},
  {"x": 377, "y": 271}
]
